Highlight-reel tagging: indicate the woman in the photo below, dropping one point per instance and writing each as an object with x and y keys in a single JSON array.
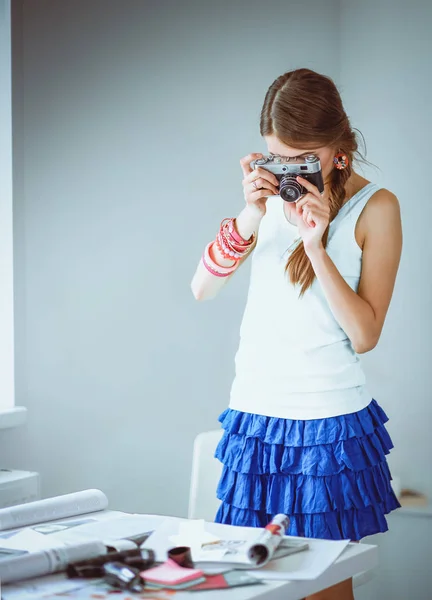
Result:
[{"x": 302, "y": 434}]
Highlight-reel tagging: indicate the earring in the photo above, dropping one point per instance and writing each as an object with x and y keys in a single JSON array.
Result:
[{"x": 341, "y": 161}]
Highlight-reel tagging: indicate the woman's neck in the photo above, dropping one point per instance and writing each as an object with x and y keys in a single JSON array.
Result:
[{"x": 354, "y": 184}]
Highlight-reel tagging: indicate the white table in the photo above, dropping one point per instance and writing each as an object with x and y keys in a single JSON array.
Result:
[{"x": 356, "y": 558}]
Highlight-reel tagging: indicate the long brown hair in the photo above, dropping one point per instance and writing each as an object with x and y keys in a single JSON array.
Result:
[{"x": 303, "y": 109}]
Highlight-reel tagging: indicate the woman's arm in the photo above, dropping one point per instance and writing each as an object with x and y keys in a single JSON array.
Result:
[
  {"x": 361, "y": 315},
  {"x": 258, "y": 186},
  {"x": 205, "y": 286}
]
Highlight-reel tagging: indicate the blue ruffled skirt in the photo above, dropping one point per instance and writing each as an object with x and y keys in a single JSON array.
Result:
[{"x": 330, "y": 476}]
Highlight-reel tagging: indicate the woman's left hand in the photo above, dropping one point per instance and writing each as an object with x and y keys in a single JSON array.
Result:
[{"x": 314, "y": 216}]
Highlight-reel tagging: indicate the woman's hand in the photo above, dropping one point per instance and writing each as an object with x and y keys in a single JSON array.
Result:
[
  {"x": 313, "y": 216},
  {"x": 258, "y": 185}
]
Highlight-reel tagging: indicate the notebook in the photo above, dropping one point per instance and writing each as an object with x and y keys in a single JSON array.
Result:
[{"x": 170, "y": 575}]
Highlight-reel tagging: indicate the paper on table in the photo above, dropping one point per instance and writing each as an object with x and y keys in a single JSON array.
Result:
[
  {"x": 304, "y": 565},
  {"x": 29, "y": 540},
  {"x": 192, "y": 533},
  {"x": 41, "y": 587},
  {"x": 174, "y": 532},
  {"x": 112, "y": 529},
  {"x": 33, "y": 539}
]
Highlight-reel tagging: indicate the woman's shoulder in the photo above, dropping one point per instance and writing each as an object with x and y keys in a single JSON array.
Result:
[
  {"x": 382, "y": 204},
  {"x": 381, "y": 212}
]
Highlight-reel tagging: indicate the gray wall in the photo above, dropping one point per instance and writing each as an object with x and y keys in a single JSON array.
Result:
[
  {"x": 387, "y": 88},
  {"x": 130, "y": 120}
]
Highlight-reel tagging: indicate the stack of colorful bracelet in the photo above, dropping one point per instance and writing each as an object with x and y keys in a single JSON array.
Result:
[{"x": 230, "y": 245}]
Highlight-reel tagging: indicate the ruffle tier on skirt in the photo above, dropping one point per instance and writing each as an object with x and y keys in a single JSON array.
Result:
[{"x": 330, "y": 476}]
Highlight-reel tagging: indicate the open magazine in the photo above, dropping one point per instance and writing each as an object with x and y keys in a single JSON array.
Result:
[
  {"x": 217, "y": 547},
  {"x": 268, "y": 543},
  {"x": 43, "y": 537}
]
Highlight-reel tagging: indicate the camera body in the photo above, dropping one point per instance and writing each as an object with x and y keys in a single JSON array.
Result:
[{"x": 287, "y": 169}]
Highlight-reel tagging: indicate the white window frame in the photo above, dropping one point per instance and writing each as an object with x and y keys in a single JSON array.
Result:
[{"x": 10, "y": 415}]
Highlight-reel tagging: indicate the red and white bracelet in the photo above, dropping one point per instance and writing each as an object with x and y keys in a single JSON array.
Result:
[
  {"x": 213, "y": 267},
  {"x": 230, "y": 245}
]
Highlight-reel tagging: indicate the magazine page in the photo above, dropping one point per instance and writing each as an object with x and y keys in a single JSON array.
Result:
[{"x": 50, "y": 509}]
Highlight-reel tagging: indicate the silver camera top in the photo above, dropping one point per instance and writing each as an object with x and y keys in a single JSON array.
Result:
[
  {"x": 286, "y": 170},
  {"x": 284, "y": 165},
  {"x": 276, "y": 158}
]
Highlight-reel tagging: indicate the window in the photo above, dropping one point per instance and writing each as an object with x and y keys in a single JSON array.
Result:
[{"x": 7, "y": 388}]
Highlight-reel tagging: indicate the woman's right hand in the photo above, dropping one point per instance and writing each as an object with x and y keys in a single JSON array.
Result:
[{"x": 258, "y": 184}]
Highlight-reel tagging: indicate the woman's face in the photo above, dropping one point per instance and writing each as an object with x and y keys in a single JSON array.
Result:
[{"x": 325, "y": 154}]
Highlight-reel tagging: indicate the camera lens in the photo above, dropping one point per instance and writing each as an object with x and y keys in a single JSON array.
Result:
[{"x": 289, "y": 188}]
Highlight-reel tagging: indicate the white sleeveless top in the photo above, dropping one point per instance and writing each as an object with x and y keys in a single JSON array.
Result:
[{"x": 294, "y": 360}]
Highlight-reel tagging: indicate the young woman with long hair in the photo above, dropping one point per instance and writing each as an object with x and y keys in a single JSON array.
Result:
[{"x": 302, "y": 434}]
